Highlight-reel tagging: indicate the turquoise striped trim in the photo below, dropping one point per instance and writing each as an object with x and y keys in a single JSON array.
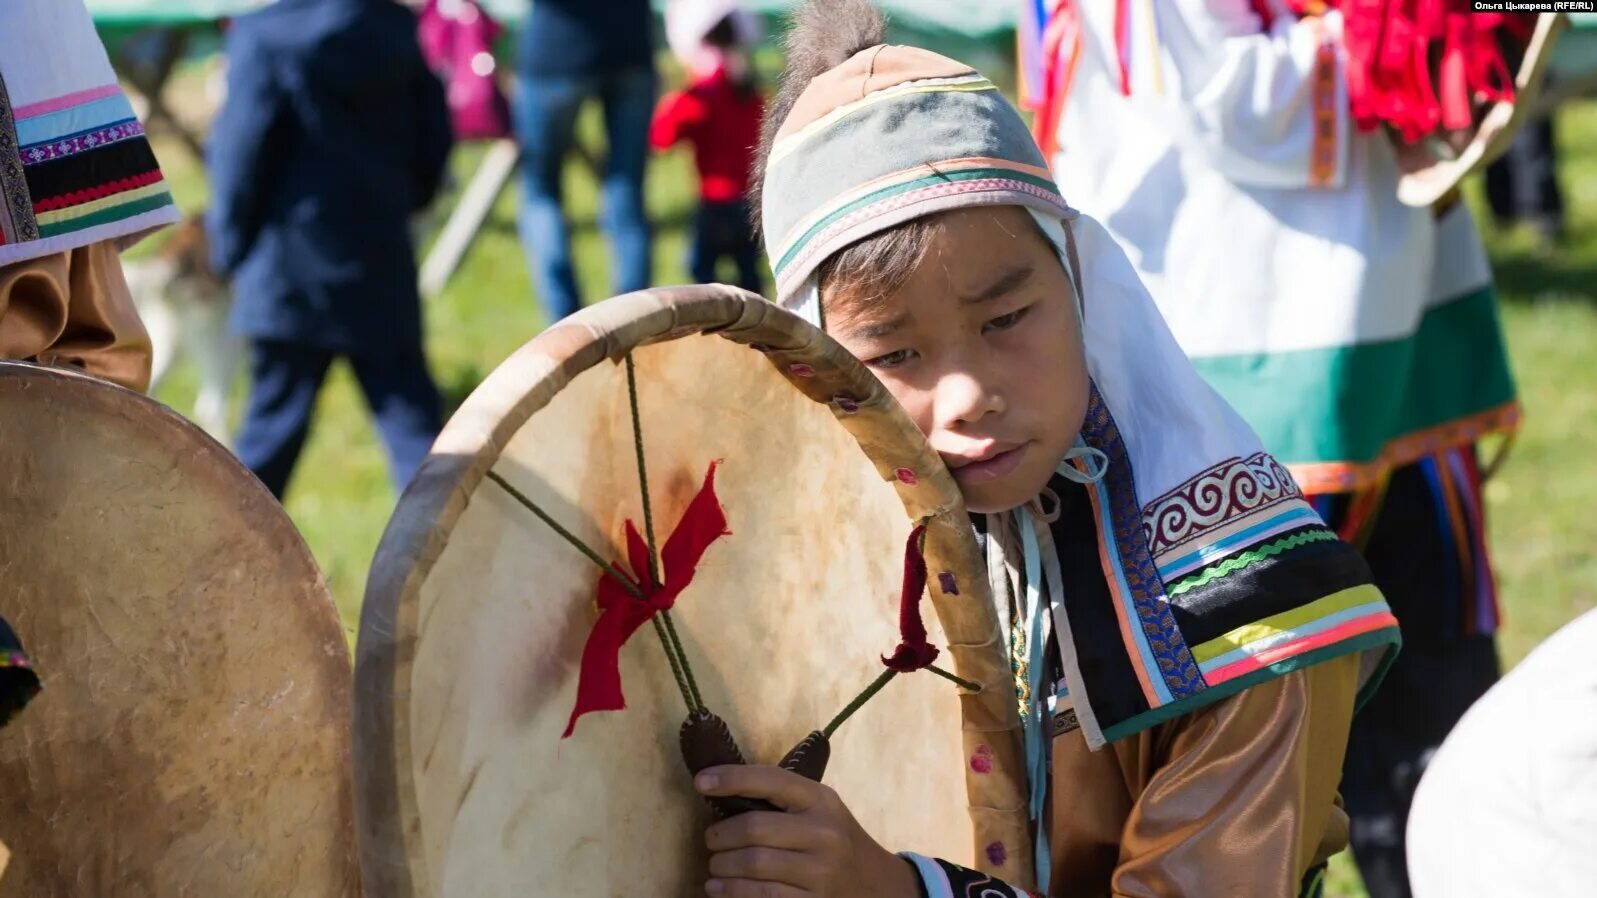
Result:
[
  {"x": 1300, "y": 515},
  {"x": 1285, "y": 636},
  {"x": 1106, "y": 529},
  {"x": 902, "y": 187},
  {"x": 97, "y": 129},
  {"x": 94, "y": 114}
]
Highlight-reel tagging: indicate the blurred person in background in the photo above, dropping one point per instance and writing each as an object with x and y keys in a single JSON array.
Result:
[
  {"x": 572, "y": 50},
  {"x": 1217, "y": 140},
  {"x": 1522, "y": 186},
  {"x": 718, "y": 113},
  {"x": 334, "y": 132}
]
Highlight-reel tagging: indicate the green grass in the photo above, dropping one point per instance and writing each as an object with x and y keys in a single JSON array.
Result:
[{"x": 1539, "y": 506}]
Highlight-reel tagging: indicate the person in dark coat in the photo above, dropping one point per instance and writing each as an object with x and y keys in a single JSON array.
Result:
[
  {"x": 333, "y": 134},
  {"x": 572, "y": 50},
  {"x": 1522, "y": 186}
]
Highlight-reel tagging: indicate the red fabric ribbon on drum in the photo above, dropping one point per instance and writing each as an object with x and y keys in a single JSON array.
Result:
[
  {"x": 621, "y": 613},
  {"x": 913, "y": 652}
]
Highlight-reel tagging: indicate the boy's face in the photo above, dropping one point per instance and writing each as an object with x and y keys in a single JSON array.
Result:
[{"x": 982, "y": 346}]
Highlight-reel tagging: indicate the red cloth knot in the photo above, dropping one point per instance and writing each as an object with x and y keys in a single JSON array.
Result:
[
  {"x": 913, "y": 652},
  {"x": 621, "y": 613}
]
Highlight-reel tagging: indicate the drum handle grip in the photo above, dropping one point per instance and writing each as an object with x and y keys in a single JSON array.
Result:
[{"x": 707, "y": 742}]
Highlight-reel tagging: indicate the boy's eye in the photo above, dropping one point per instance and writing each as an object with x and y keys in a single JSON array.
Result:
[
  {"x": 1005, "y": 322},
  {"x": 891, "y": 360}
]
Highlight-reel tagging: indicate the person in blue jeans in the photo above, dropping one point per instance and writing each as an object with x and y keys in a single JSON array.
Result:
[
  {"x": 333, "y": 134},
  {"x": 572, "y": 50}
]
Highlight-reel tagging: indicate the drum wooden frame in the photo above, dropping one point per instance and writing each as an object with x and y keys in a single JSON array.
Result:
[{"x": 413, "y": 784}]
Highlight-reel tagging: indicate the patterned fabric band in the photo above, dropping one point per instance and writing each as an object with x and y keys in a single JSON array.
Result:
[
  {"x": 75, "y": 166},
  {"x": 894, "y": 134}
]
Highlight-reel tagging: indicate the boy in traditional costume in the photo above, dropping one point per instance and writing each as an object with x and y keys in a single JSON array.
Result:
[
  {"x": 1247, "y": 154},
  {"x": 1189, "y": 640},
  {"x": 78, "y": 183}
]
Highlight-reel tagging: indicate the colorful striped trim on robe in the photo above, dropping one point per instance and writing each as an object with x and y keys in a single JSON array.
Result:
[
  {"x": 1351, "y": 612},
  {"x": 76, "y": 170},
  {"x": 1227, "y": 581}
]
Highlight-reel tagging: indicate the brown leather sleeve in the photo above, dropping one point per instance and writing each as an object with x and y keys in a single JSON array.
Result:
[
  {"x": 1236, "y": 799},
  {"x": 74, "y": 309}
]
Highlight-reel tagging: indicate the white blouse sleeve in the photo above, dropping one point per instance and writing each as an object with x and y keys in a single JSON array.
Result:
[{"x": 1268, "y": 108}]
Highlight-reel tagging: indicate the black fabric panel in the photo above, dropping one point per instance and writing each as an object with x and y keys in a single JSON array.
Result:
[
  {"x": 1100, "y": 651},
  {"x": 1412, "y": 567},
  {"x": 81, "y": 171},
  {"x": 1281, "y": 583}
]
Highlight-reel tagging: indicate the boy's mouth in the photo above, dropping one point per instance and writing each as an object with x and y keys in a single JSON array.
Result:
[{"x": 988, "y": 466}]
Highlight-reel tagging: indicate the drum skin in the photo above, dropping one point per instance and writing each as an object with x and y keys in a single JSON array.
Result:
[
  {"x": 476, "y": 613},
  {"x": 191, "y": 738}
]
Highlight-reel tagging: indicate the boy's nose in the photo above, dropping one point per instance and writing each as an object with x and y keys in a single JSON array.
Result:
[{"x": 965, "y": 398}]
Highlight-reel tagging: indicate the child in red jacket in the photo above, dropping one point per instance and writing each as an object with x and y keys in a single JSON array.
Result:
[{"x": 719, "y": 113}]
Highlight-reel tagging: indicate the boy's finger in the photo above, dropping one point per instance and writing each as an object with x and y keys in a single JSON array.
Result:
[
  {"x": 770, "y": 829},
  {"x": 767, "y": 865},
  {"x": 749, "y": 888},
  {"x": 788, "y": 791}
]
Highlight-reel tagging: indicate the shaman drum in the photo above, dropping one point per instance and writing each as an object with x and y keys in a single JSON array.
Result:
[
  {"x": 192, "y": 734},
  {"x": 481, "y": 611},
  {"x": 1432, "y": 169}
]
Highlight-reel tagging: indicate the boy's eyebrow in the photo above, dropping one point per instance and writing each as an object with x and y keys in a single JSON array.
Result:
[
  {"x": 876, "y": 330},
  {"x": 1007, "y": 282}
]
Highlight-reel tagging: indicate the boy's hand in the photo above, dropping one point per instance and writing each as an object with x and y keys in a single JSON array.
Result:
[{"x": 815, "y": 849}]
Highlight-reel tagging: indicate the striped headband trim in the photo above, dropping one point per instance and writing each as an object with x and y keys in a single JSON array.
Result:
[
  {"x": 905, "y": 191},
  {"x": 993, "y": 165},
  {"x": 940, "y": 196},
  {"x": 952, "y": 171},
  {"x": 968, "y": 83}
]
